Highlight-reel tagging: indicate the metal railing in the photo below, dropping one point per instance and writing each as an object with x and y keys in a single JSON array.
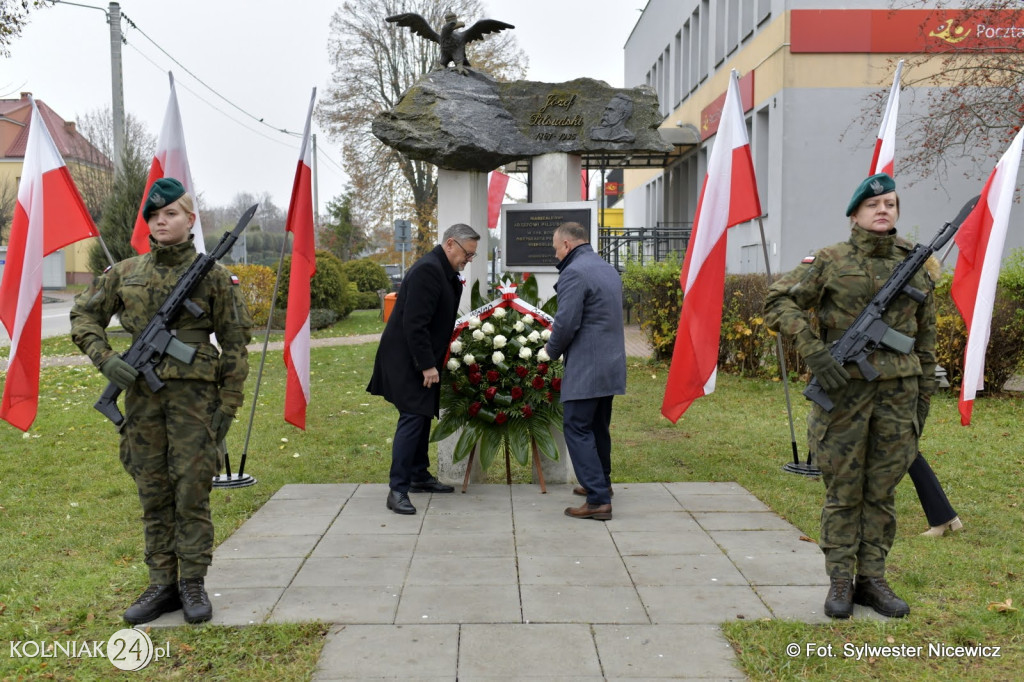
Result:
[{"x": 619, "y": 245}]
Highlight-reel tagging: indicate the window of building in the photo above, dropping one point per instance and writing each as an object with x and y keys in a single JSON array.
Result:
[
  {"x": 746, "y": 19},
  {"x": 721, "y": 21},
  {"x": 695, "y": 73},
  {"x": 677, "y": 70},
  {"x": 686, "y": 64},
  {"x": 733, "y": 28},
  {"x": 760, "y": 150},
  {"x": 704, "y": 50},
  {"x": 764, "y": 10}
]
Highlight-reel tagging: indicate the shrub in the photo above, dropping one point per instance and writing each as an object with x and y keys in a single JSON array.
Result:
[
  {"x": 328, "y": 289},
  {"x": 1005, "y": 351},
  {"x": 747, "y": 346},
  {"x": 367, "y": 300},
  {"x": 319, "y": 318},
  {"x": 654, "y": 292},
  {"x": 368, "y": 275},
  {"x": 257, "y": 283}
]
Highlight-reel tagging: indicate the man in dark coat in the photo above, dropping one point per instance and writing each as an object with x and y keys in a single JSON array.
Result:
[
  {"x": 588, "y": 332},
  {"x": 407, "y": 369}
]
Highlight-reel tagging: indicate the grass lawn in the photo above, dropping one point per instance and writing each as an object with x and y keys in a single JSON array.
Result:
[{"x": 71, "y": 542}]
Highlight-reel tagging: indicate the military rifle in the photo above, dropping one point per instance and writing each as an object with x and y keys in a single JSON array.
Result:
[
  {"x": 157, "y": 339},
  {"x": 869, "y": 331}
]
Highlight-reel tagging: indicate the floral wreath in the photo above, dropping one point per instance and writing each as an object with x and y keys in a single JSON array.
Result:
[{"x": 499, "y": 386}]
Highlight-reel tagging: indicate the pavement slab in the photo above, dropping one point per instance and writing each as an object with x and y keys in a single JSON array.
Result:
[{"x": 471, "y": 583}]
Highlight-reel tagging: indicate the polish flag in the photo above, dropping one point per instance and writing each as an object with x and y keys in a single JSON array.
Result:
[
  {"x": 49, "y": 215},
  {"x": 495, "y": 197},
  {"x": 170, "y": 161},
  {"x": 729, "y": 197},
  {"x": 980, "y": 241},
  {"x": 296, "y": 327},
  {"x": 885, "y": 145}
]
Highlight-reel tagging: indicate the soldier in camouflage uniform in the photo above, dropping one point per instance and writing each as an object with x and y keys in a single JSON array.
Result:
[
  {"x": 169, "y": 443},
  {"x": 866, "y": 443}
]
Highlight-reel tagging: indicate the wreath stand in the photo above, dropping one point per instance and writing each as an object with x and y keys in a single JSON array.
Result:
[{"x": 508, "y": 467}]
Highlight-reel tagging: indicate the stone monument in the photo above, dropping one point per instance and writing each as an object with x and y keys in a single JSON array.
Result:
[{"x": 468, "y": 124}]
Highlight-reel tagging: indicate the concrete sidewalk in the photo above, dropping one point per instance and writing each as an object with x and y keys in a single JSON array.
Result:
[{"x": 499, "y": 584}]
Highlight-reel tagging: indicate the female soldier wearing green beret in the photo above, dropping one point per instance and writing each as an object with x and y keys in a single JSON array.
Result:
[
  {"x": 170, "y": 437},
  {"x": 866, "y": 443}
]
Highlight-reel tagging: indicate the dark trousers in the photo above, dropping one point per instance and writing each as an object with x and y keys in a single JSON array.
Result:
[
  {"x": 933, "y": 499},
  {"x": 585, "y": 424},
  {"x": 409, "y": 459}
]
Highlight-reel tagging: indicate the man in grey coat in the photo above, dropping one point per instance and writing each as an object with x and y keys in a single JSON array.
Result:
[{"x": 588, "y": 332}]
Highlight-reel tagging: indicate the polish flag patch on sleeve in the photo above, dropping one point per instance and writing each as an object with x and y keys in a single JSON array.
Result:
[
  {"x": 235, "y": 280},
  {"x": 808, "y": 259}
]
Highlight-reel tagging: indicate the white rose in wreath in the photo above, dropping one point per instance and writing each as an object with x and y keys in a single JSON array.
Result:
[
  {"x": 488, "y": 328},
  {"x": 543, "y": 356},
  {"x": 456, "y": 346},
  {"x": 478, "y": 335},
  {"x": 497, "y": 357},
  {"x": 453, "y": 364},
  {"x": 469, "y": 359},
  {"x": 474, "y": 322},
  {"x": 500, "y": 341},
  {"x": 499, "y": 313},
  {"x": 525, "y": 353}
]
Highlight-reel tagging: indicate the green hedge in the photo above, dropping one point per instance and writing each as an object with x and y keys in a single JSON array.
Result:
[{"x": 748, "y": 348}]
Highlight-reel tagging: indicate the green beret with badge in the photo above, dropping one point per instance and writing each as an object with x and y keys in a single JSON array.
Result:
[
  {"x": 877, "y": 184},
  {"x": 163, "y": 192}
]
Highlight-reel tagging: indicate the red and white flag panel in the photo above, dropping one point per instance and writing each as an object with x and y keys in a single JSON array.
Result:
[
  {"x": 170, "y": 161},
  {"x": 495, "y": 197},
  {"x": 980, "y": 241},
  {"x": 729, "y": 197},
  {"x": 883, "y": 160},
  {"x": 296, "y": 329},
  {"x": 49, "y": 214}
]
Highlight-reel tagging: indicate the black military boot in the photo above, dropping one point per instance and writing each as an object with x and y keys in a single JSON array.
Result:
[
  {"x": 877, "y": 594},
  {"x": 153, "y": 603},
  {"x": 194, "y": 602},
  {"x": 839, "y": 602}
]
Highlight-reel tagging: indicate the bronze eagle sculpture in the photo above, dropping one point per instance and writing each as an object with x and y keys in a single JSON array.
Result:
[{"x": 452, "y": 41}]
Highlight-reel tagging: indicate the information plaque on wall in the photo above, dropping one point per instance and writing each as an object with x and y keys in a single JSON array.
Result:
[{"x": 527, "y": 231}]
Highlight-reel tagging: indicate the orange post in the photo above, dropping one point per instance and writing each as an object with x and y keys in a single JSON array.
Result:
[{"x": 389, "y": 304}]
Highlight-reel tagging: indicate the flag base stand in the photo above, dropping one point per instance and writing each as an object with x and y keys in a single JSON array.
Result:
[
  {"x": 233, "y": 481},
  {"x": 807, "y": 469},
  {"x": 229, "y": 480}
]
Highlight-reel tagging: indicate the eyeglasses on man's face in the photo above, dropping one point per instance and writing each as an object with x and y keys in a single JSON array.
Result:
[{"x": 469, "y": 256}]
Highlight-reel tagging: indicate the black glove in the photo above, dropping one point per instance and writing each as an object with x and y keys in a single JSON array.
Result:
[
  {"x": 119, "y": 372},
  {"x": 829, "y": 373},
  {"x": 221, "y": 422},
  {"x": 924, "y": 404}
]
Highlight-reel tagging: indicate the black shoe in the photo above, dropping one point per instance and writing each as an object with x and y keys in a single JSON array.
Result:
[
  {"x": 877, "y": 594},
  {"x": 153, "y": 603},
  {"x": 399, "y": 503},
  {"x": 431, "y": 485},
  {"x": 839, "y": 602},
  {"x": 194, "y": 602}
]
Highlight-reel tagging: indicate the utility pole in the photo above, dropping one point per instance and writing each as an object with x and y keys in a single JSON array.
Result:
[
  {"x": 113, "y": 14},
  {"x": 116, "y": 83}
]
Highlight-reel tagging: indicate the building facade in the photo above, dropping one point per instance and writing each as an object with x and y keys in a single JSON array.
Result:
[{"x": 808, "y": 70}]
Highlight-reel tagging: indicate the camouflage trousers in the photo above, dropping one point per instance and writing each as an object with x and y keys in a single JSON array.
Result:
[
  {"x": 168, "y": 448},
  {"x": 863, "y": 447}
]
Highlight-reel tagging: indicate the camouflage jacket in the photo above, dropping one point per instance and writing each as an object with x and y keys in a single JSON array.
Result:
[
  {"x": 837, "y": 283},
  {"x": 135, "y": 289}
]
